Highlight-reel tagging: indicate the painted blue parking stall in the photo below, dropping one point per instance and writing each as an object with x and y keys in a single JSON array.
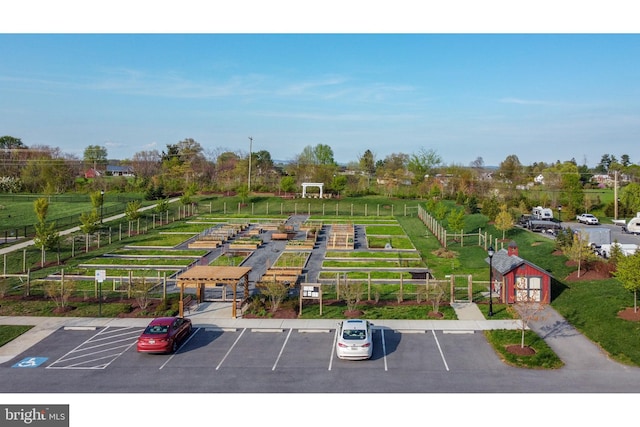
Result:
[{"x": 30, "y": 362}]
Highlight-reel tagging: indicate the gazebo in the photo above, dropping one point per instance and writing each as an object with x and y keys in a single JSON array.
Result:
[
  {"x": 311, "y": 184},
  {"x": 202, "y": 275}
]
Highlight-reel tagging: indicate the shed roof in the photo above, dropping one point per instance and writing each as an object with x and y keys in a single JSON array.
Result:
[{"x": 504, "y": 263}]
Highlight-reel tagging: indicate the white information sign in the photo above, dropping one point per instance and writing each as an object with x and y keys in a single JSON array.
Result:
[{"x": 101, "y": 275}]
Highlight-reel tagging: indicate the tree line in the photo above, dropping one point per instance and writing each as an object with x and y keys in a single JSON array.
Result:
[{"x": 186, "y": 167}]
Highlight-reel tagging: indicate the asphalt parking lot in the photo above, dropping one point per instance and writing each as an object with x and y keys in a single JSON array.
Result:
[
  {"x": 283, "y": 360},
  {"x": 56, "y": 363}
]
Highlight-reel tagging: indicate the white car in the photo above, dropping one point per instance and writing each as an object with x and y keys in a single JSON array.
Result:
[
  {"x": 355, "y": 341},
  {"x": 586, "y": 218}
]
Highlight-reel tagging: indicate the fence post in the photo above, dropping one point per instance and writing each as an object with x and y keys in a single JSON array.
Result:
[
  {"x": 452, "y": 290},
  {"x": 470, "y": 287}
]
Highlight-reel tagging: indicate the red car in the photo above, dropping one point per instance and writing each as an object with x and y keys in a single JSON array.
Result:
[{"x": 164, "y": 334}]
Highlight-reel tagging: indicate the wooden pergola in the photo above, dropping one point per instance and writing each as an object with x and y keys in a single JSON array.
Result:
[{"x": 202, "y": 275}]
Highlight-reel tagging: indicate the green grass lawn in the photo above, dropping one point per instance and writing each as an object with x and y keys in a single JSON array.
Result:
[{"x": 10, "y": 332}]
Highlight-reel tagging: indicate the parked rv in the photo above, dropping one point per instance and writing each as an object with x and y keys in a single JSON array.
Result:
[
  {"x": 625, "y": 249},
  {"x": 541, "y": 213},
  {"x": 633, "y": 226}
]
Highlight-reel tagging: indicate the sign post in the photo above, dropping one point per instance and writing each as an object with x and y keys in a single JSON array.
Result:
[
  {"x": 100, "y": 276},
  {"x": 311, "y": 291}
]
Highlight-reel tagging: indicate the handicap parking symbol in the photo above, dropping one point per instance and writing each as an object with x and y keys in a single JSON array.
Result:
[{"x": 30, "y": 362}]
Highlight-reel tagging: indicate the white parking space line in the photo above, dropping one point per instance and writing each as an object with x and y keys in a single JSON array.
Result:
[
  {"x": 440, "y": 350},
  {"x": 181, "y": 345},
  {"x": 230, "y": 348},
  {"x": 384, "y": 350},
  {"x": 333, "y": 348},
  {"x": 281, "y": 350},
  {"x": 107, "y": 344}
]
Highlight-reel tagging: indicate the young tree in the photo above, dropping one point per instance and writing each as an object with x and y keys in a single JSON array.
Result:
[
  {"x": 275, "y": 291},
  {"x": 527, "y": 307},
  {"x": 46, "y": 237},
  {"x": 455, "y": 220},
  {"x": 435, "y": 293},
  {"x": 579, "y": 250},
  {"x": 504, "y": 221},
  {"x": 142, "y": 291},
  {"x": 59, "y": 292},
  {"x": 627, "y": 274},
  {"x": 351, "y": 293},
  {"x": 132, "y": 212},
  {"x": 90, "y": 224}
]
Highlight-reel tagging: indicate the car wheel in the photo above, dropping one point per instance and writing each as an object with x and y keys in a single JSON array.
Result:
[{"x": 174, "y": 346}]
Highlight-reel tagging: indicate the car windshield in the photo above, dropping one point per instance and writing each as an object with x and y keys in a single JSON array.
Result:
[
  {"x": 156, "y": 329},
  {"x": 354, "y": 334}
]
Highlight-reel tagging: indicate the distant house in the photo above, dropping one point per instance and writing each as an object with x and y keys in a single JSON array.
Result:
[
  {"x": 120, "y": 170},
  {"x": 92, "y": 173},
  {"x": 516, "y": 279}
]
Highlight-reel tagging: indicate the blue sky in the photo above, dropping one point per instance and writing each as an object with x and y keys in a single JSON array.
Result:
[{"x": 542, "y": 97}]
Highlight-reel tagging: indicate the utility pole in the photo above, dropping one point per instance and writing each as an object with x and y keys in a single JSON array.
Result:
[
  {"x": 615, "y": 195},
  {"x": 249, "y": 180}
]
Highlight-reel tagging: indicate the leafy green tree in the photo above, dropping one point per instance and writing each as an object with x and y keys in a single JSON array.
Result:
[
  {"x": 46, "y": 237},
  {"x": 95, "y": 156},
  {"x": 288, "y": 184},
  {"x": 41, "y": 208},
  {"x": 46, "y": 174},
  {"x": 162, "y": 206},
  {"x": 132, "y": 212},
  {"x": 423, "y": 163},
  {"x": 579, "y": 251},
  {"x": 242, "y": 191},
  {"x": 490, "y": 208},
  {"x": 630, "y": 198},
  {"x": 511, "y": 168},
  {"x": 455, "y": 220},
  {"x": 504, "y": 221},
  {"x": 10, "y": 142},
  {"x": 90, "y": 222},
  {"x": 627, "y": 274},
  {"x": 367, "y": 163}
]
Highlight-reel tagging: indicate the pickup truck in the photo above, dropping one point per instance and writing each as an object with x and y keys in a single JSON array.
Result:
[{"x": 586, "y": 218}]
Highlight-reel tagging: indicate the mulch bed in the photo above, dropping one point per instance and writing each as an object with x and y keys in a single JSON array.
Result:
[
  {"x": 629, "y": 314},
  {"x": 520, "y": 351}
]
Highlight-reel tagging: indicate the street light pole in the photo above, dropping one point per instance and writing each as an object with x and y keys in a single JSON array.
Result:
[
  {"x": 249, "y": 179},
  {"x": 490, "y": 252},
  {"x": 101, "y": 203},
  {"x": 560, "y": 214}
]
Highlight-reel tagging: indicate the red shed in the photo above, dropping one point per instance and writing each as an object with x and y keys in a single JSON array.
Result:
[{"x": 516, "y": 279}]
